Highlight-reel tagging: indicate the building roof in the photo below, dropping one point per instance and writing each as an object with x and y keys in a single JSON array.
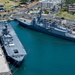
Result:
[{"x": 51, "y": 1}]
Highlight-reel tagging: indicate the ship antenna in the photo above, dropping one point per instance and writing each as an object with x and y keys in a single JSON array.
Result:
[{"x": 40, "y": 11}]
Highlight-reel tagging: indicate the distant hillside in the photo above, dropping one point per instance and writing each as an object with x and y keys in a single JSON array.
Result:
[{"x": 70, "y": 1}]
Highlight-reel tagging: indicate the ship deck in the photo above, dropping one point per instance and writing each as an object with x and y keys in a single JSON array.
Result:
[
  {"x": 13, "y": 49},
  {"x": 4, "y": 68},
  {"x": 29, "y": 20}
]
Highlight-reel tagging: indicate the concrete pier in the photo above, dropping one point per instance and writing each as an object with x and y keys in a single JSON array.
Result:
[{"x": 4, "y": 68}]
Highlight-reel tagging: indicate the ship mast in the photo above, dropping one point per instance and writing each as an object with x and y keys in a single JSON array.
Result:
[
  {"x": 40, "y": 13},
  {"x": 37, "y": 19}
]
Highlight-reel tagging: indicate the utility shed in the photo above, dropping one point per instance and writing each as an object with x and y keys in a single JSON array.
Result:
[{"x": 4, "y": 68}]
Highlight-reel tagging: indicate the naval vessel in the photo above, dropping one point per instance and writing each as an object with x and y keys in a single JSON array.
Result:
[
  {"x": 11, "y": 45},
  {"x": 59, "y": 28}
]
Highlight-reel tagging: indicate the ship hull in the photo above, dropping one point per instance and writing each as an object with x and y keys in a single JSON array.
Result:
[
  {"x": 45, "y": 31},
  {"x": 10, "y": 59},
  {"x": 14, "y": 62}
]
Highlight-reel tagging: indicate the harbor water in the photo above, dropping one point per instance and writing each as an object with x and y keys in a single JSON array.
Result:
[{"x": 47, "y": 55}]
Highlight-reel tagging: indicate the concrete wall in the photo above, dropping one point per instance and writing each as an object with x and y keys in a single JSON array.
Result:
[{"x": 6, "y": 73}]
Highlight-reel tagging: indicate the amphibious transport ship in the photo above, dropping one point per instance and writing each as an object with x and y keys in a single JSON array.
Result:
[
  {"x": 12, "y": 46},
  {"x": 58, "y": 28}
]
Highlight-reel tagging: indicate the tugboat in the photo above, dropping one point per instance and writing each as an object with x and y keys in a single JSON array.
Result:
[
  {"x": 58, "y": 28},
  {"x": 11, "y": 45}
]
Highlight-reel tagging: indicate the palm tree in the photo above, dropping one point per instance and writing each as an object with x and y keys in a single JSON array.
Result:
[{"x": 70, "y": 1}]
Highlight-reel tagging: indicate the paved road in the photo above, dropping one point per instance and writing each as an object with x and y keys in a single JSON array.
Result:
[
  {"x": 22, "y": 14},
  {"x": 56, "y": 17}
]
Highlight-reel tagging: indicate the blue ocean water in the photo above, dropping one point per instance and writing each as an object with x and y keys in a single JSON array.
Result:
[{"x": 47, "y": 55}]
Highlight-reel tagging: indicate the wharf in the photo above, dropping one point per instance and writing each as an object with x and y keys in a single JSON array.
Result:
[{"x": 4, "y": 67}]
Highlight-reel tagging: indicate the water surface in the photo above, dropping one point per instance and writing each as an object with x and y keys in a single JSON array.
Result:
[{"x": 47, "y": 55}]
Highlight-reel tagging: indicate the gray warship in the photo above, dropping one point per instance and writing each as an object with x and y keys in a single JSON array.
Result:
[
  {"x": 11, "y": 45},
  {"x": 59, "y": 28}
]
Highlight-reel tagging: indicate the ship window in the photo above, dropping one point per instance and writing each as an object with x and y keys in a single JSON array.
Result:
[{"x": 15, "y": 51}]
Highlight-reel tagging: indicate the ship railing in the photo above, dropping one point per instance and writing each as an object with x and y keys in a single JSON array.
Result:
[{"x": 70, "y": 35}]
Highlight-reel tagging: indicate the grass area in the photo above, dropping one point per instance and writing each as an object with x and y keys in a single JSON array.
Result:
[
  {"x": 8, "y": 4},
  {"x": 46, "y": 12},
  {"x": 65, "y": 15}
]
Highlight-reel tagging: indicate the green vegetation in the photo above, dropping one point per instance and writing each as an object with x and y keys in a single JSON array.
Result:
[
  {"x": 46, "y": 11},
  {"x": 8, "y": 4},
  {"x": 64, "y": 9},
  {"x": 24, "y": 1},
  {"x": 65, "y": 15},
  {"x": 70, "y": 1}
]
